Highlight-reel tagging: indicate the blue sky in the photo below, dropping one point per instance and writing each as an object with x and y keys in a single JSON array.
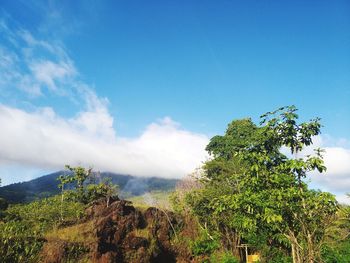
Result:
[{"x": 142, "y": 67}]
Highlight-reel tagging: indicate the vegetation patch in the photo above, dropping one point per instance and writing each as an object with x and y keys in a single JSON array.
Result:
[{"x": 79, "y": 233}]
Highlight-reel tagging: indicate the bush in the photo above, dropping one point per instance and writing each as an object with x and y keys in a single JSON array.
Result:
[
  {"x": 45, "y": 214},
  {"x": 223, "y": 257},
  {"x": 338, "y": 254},
  {"x": 21, "y": 233},
  {"x": 19, "y": 242},
  {"x": 3, "y": 204},
  {"x": 204, "y": 245}
]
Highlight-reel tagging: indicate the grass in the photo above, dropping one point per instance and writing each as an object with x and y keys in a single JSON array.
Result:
[
  {"x": 154, "y": 198},
  {"x": 142, "y": 233},
  {"x": 81, "y": 233}
]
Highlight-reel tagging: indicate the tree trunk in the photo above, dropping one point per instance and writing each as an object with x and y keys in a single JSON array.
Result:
[
  {"x": 296, "y": 253},
  {"x": 293, "y": 253},
  {"x": 233, "y": 240},
  {"x": 62, "y": 200},
  {"x": 310, "y": 249}
]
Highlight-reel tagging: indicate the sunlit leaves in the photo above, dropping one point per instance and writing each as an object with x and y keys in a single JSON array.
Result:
[{"x": 254, "y": 189}]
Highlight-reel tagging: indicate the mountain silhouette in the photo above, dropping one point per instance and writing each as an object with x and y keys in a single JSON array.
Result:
[{"x": 47, "y": 185}]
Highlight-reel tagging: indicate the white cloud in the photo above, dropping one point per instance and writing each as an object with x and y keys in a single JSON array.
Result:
[
  {"x": 337, "y": 176},
  {"x": 43, "y": 139},
  {"x": 47, "y": 73},
  {"x": 34, "y": 66},
  {"x": 343, "y": 198},
  {"x": 337, "y": 160}
]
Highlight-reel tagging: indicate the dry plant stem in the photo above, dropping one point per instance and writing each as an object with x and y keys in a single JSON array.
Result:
[
  {"x": 205, "y": 229},
  {"x": 171, "y": 225}
]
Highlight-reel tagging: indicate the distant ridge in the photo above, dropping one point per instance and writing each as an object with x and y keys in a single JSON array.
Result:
[{"x": 47, "y": 185}]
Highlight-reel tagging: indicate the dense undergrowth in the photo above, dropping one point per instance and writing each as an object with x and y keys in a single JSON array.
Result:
[{"x": 23, "y": 226}]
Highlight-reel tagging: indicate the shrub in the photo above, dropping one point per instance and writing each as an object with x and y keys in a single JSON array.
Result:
[
  {"x": 21, "y": 233},
  {"x": 223, "y": 257},
  {"x": 204, "y": 245},
  {"x": 3, "y": 204},
  {"x": 19, "y": 242},
  {"x": 338, "y": 254}
]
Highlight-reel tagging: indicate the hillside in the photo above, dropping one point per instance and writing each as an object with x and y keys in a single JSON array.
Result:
[{"x": 47, "y": 185}]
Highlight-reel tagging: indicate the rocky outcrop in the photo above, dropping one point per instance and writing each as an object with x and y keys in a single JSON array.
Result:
[{"x": 124, "y": 234}]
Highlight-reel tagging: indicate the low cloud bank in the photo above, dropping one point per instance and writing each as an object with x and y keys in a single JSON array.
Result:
[{"x": 43, "y": 139}]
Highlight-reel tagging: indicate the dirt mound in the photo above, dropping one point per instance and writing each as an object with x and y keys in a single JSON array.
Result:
[{"x": 123, "y": 234}]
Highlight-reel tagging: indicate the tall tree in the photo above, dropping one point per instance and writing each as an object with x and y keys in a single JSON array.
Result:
[
  {"x": 83, "y": 186},
  {"x": 262, "y": 195}
]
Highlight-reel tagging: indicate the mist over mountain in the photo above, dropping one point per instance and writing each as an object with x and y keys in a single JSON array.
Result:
[{"x": 47, "y": 185}]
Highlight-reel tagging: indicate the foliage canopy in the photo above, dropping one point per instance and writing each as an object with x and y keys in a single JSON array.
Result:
[{"x": 255, "y": 191}]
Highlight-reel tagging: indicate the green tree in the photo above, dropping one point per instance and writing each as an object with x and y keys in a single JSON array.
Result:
[
  {"x": 79, "y": 178},
  {"x": 83, "y": 186},
  {"x": 106, "y": 189},
  {"x": 256, "y": 193}
]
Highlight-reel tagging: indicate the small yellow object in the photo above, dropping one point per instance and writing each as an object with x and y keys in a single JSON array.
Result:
[{"x": 253, "y": 258}]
